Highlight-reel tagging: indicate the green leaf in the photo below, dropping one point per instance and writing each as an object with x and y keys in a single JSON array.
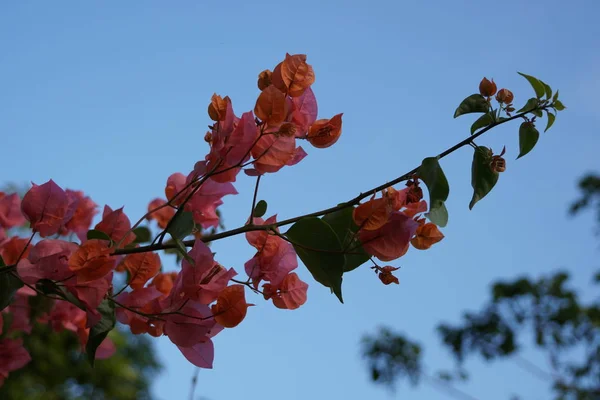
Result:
[
  {"x": 438, "y": 215},
  {"x": 538, "y": 113},
  {"x": 536, "y": 84},
  {"x": 99, "y": 331},
  {"x": 260, "y": 209},
  {"x": 528, "y": 137},
  {"x": 432, "y": 174},
  {"x": 559, "y": 105},
  {"x": 547, "y": 90},
  {"x": 551, "y": 119},
  {"x": 142, "y": 235},
  {"x": 475, "y": 103},
  {"x": 182, "y": 250},
  {"x": 182, "y": 225},
  {"x": 320, "y": 250},
  {"x": 344, "y": 227},
  {"x": 94, "y": 234},
  {"x": 531, "y": 104},
  {"x": 555, "y": 97},
  {"x": 9, "y": 284},
  {"x": 483, "y": 178},
  {"x": 483, "y": 121}
]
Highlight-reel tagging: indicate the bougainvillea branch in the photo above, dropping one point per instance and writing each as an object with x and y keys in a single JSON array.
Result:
[{"x": 196, "y": 302}]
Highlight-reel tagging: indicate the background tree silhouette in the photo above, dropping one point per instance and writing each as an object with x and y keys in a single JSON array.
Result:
[{"x": 547, "y": 311}]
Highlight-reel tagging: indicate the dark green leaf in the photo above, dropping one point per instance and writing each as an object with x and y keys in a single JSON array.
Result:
[
  {"x": 536, "y": 84},
  {"x": 531, "y": 104},
  {"x": 483, "y": 178},
  {"x": 99, "y": 331},
  {"x": 94, "y": 234},
  {"x": 432, "y": 174},
  {"x": 475, "y": 103},
  {"x": 344, "y": 227},
  {"x": 9, "y": 284},
  {"x": 7, "y": 319},
  {"x": 182, "y": 250},
  {"x": 260, "y": 209},
  {"x": 142, "y": 235},
  {"x": 182, "y": 225},
  {"x": 547, "y": 90},
  {"x": 528, "y": 137},
  {"x": 559, "y": 105},
  {"x": 538, "y": 113},
  {"x": 555, "y": 97},
  {"x": 320, "y": 250},
  {"x": 483, "y": 121},
  {"x": 551, "y": 119}
]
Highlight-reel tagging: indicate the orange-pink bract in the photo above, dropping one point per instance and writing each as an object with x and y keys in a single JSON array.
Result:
[
  {"x": 426, "y": 236},
  {"x": 231, "y": 306},
  {"x": 141, "y": 267},
  {"x": 91, "y": 261},
  {"x": 293, "y": 75},
  {"x": 325, "y": 132}
]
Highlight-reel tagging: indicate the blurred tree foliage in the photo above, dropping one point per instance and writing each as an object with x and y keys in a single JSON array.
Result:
[
  {"x": 547, "y": 310},
  {"x": 60, "y": 371}
]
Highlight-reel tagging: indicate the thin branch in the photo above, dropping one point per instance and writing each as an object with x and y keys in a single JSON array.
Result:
[
  {"x": 194, "y": 383},
  {"x": 356, "y": 200},
  {"x": 250, "y": 219},
  {"x": 447, "y": 388}
]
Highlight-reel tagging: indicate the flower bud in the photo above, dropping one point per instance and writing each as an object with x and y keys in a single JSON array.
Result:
[
  {"x": 504, "y": 96},
  {"x": 386, "y": 276},
  {"x": 288, "y": 129},
  {"x": 487, "y": 88},
  {"x": 264, "y": 79}
]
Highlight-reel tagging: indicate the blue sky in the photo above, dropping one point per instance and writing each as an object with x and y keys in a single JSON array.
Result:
[{"x": 110, "y": 98}]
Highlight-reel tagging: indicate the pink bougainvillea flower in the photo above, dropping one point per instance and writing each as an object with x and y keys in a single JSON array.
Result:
[
  {"x": 13, "y": 248},
  {"x": 201, "y": 354},
  {"x": 106, "y": 349},
  {"x": 140, "y": 268},
  {"x": 90, "y": 294},
  {"x": 231, "y": 306},
  {"x": 164, "y": 282},
  {"x": 273, "y": 152},
  {"x": 290, "y": 295},
  {"x": 92, "y": 261},
  {"x": 13, "y": 356},
  {"x": 275, "y": 257},
  {"x": 82, "y": 217},
  {"x": 143, "y": 300},
  {"x": 64, "y": 315},
  {"x": 48, "y": 208},
  {"x": 163, "y": 215},
  {"x": 20, "y": 311},
  {"x": 426, "y": 236},
  {"x": 304, "y": 111},
  {"x": 238, "y": 145},
  {"x": 116, "y": 225},
  {"x": 175, "y": 188},
  {"x": 392, "y": 240},
  {"x": 48, "y": 259},
  {"x": 203, "y": 280},
  {"x": 203, "y": 204},
  {"x": 10, "y": 211},
  {"x": 193, "y": 324}
]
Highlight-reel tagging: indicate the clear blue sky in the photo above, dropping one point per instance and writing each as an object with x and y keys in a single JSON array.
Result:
[{"x": 111, "y": 98}]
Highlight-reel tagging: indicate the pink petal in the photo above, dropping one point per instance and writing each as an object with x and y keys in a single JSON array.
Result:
[
  {"x": 46, "y": 207},
  {"x": 201, "y": 354}
]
